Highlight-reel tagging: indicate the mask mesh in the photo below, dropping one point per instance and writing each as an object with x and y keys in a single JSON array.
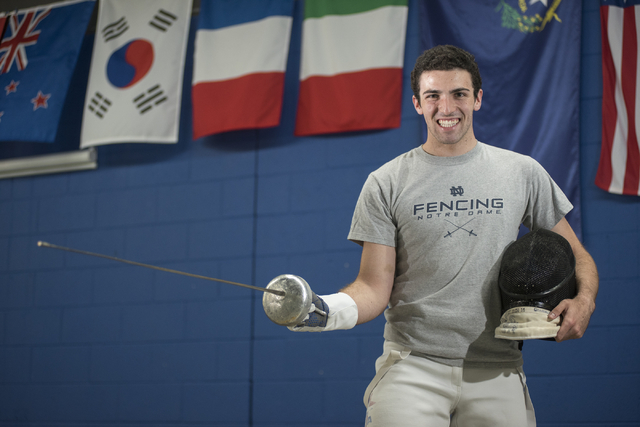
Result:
[{"x": 537, "y": 270}]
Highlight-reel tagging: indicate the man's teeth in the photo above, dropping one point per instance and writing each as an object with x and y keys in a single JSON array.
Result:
[{"x": 448, "y": 123}]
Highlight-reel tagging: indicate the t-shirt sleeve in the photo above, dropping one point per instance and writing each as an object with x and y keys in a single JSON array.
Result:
[
  {"x": 547, "y": 203},
  {"x": 372, "y": 219}
]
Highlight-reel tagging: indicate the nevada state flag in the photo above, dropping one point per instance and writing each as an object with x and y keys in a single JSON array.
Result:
[
  {"x": 529, "y": 58},
  {"x": 38, "y": 54},
  {"x": 135, "y": 83}
]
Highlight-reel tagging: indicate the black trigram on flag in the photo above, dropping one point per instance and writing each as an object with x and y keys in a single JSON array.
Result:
[
  {"x": 147, "y": 100},
  {"x": 113, "y": 30},
  {"x": 99, "y": 105},
  {"x": 162, "y": 20}
]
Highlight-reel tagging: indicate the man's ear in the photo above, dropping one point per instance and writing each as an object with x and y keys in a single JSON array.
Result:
[
  {"x": 416, "y": 104},
  {"x": 478, "y": 103}
]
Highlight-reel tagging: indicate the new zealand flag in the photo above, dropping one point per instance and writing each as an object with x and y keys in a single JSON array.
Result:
[{"x": 38, "y": 54}]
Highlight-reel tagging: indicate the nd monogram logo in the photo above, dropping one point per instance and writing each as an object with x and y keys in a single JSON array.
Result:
[{"x": 457, "y": 191}]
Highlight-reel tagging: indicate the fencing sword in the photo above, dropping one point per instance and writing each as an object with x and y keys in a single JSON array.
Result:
[{"x": 287, "y": 299}]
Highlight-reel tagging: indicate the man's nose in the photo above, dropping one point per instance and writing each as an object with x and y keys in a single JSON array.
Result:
[{"x": 446, "y": 105}]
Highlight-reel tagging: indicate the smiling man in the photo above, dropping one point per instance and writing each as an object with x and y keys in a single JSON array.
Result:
[
  {"x": 447, "y": 101},
  {"x": 433, "y": 224}
]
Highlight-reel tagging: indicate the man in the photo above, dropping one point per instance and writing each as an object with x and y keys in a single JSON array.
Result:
[{"x": 433, "y": 224}]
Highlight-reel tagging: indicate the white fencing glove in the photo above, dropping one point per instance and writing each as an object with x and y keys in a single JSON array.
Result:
[{"x": 341, "y": 313}]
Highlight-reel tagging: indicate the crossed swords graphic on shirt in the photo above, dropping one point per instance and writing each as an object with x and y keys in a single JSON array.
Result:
[{"x": 460, "y": 227}]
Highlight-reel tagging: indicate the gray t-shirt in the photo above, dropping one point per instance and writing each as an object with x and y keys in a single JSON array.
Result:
[{"x": 450, "y": 219}]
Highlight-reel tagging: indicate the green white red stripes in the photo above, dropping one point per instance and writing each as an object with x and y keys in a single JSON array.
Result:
[{"x": 351, "y": 65}]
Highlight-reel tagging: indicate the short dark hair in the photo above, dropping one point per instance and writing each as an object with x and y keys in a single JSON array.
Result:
[{"x": 445, "y": 58}]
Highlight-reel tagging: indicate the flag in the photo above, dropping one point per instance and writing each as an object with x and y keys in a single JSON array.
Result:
[
  {"x": 240, "y": 59},
  {"x": 619, "y": 167},
  {"x": 351, "y": 65},
  {"x": 135, "y": 82},
  {"x": 38, "y": 54},
  {"x": 529, "y": 58},
  {"x": 3, "y": 23}
]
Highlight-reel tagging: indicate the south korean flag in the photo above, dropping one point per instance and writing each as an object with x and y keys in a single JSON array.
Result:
[{"x": 135, "y": 82}]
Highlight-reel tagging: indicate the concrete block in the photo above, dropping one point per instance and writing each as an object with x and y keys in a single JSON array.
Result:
[
  {"x": 91, "y": 324},
  {"x": 59, "y": 403},
  {"x": 175, "y": 287},
  {"x": 21, "y": 188},
  {"x": 306, "y": 357},
  {"x": 123, "y": 284},
  {"x": 150, "y": 402},
  {"x": 233, "y": 361},
  {"x": 122, "y": 363},
  {"x": 60, "y": 364},
  {"x": 151, "y": 244},
  {"x": 63, "y": 288},
  {"x": 343, "y": 401},
  {"x": 23, "y": 217},
  {"x": 163, "y": 172},
  {"x": 274, "y": 195},
  {"x": 289, "y": 234},
  {"x": 284, "y": 402},
  {"x": 127, "y": 207},
  {"x": 217, "y": 164},
  {"x": 217, "y": 403},
  {"x": 33, "y": 326},
  {"x": 157, "y": 322},
  {"x": 191, "y": 201},
  {"x": 14, "y": 362},
  {"x": 16, "y": 290},
  {"x": 238, "y": 197},
  {"x": 596, "y": 399},
  {"x": 67, "y": 213},
  {"x": 218, "y": 320},
  {"x": 50, "y": 185},
  {"x": 225, "y": 238}
]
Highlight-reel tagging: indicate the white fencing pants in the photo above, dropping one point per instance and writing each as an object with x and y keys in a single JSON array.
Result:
[{"x": 413, "y": 391}]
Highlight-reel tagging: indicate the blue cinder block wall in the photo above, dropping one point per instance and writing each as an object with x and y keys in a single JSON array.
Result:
[{"x": 85, "y": 341}]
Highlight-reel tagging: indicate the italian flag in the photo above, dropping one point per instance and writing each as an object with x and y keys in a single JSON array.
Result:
[{"x": 351, "y": 65}]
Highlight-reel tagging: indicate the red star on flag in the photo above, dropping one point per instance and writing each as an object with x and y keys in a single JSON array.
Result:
[
  {"x": 11, "y": 87},
  {"x": 1, "y": 114},
  {"x": 40, "y": 101}
]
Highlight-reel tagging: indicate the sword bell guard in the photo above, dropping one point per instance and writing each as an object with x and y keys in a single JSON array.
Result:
[{"x": 292, "y": 308}]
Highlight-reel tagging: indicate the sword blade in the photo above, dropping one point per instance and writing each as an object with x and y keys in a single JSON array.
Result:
[{"x": 154, "y": 267}]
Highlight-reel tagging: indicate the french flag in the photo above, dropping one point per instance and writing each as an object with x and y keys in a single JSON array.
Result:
[{"x": 240, "y": 59}]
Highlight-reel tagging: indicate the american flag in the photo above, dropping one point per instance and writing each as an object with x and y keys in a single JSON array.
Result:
[{"x": 619, "y": 168}]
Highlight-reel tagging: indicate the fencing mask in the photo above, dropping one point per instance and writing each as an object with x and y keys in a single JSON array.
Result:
[{"x": 537, "y": 271}]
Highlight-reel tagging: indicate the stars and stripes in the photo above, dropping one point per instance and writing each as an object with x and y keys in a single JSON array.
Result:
[{"x": 619, "y": 168}]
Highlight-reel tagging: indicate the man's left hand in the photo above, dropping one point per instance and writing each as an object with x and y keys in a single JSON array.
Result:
[{"x": 576, "y": 314}]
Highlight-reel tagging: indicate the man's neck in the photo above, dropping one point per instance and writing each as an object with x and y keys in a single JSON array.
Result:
[{"x": 449, "y": 150}]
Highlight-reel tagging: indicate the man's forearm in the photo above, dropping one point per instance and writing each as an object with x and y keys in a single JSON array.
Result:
[{"x": 371, "y": 303}]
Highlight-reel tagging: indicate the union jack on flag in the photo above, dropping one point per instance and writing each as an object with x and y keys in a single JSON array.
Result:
[
  {"x": 24, "y": 33},
  {"x": 3, "y": 22},
  {"x": 38, "y": 54}
]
